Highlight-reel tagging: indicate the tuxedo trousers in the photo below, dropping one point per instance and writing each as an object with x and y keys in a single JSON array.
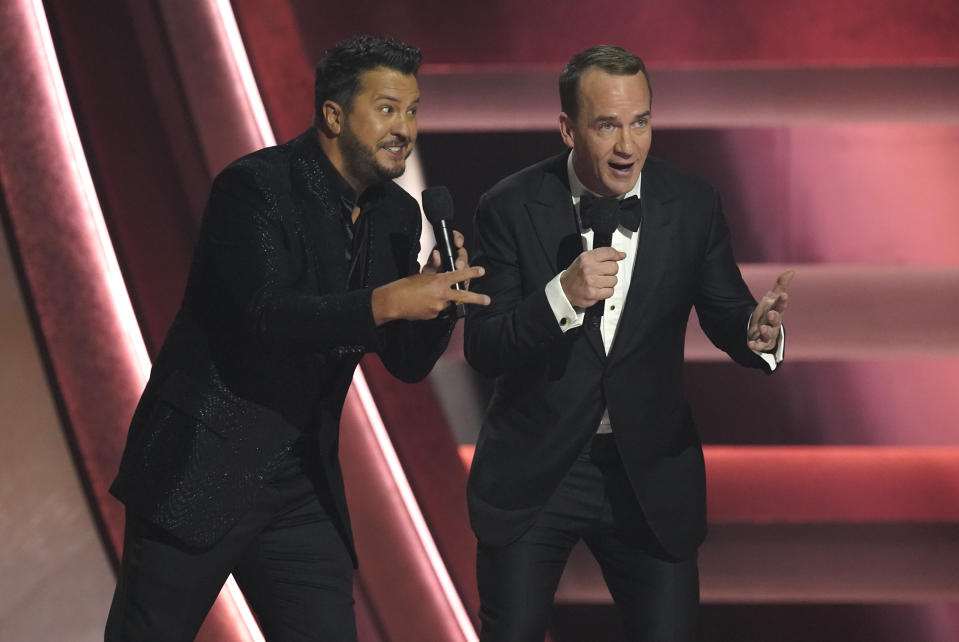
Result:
[
  {"x": 286, "y": 554},
  {"x": 657, "y": 596}
]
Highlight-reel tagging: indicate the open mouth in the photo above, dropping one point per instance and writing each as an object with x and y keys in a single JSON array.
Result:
[
  {"x": 622, "y": 168},
  {"x": 395, "y": 149}
]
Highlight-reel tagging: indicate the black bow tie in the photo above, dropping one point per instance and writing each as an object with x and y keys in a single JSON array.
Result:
[{"x": 629, "y": 212}]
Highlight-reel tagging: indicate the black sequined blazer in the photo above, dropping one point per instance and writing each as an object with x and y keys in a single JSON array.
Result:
[{"x": 263, "y": 349}]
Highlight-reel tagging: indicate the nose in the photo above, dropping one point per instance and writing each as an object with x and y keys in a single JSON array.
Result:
[
  {"x": 624, "y": 143},
  {"x": 404, "y": 126}
]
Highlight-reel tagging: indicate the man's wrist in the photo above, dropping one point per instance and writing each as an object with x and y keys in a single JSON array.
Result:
[
  {"x": 567, "y": 317},
  {"x": 382, "y": 304}
]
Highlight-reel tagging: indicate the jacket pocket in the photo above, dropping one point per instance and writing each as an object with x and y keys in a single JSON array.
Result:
[{"x": 197, "y": 459}]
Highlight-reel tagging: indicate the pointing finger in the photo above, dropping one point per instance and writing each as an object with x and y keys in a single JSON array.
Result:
[
  {"x": 458, "y": 276},
  {"x": 783, "y": 281},
  {"x": 470, "y": 298}
]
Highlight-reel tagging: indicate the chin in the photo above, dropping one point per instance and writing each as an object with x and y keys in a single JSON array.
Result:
[
  {"x": 618, "y": 187},
  {"x": 392, "y": 172}
]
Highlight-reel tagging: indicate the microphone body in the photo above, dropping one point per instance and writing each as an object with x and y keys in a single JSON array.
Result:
[
  {"x": 438, "y": 207},
  {"x": 604, "y": 218},
  {"x": 444, "y": 243}
]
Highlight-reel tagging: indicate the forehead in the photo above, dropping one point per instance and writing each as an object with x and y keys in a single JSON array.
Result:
[
  {"x": 388, "y": 82},
  {"x": 606, "y": 94}
]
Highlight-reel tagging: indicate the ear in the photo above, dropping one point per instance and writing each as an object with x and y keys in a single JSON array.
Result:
[
  {"x": 566, "y": 129},
  {"x": 331, "y": 117}
]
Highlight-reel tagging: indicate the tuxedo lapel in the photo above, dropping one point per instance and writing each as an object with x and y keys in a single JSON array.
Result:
[
  {"x": 554, "y": 221},
  {"x": 652, "y": 259},
  {"x": 553, "y": 217}
]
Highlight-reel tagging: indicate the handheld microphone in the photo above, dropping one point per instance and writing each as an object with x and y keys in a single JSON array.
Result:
[
  {"x": 438, "y": 207},
  {"x": 603, "y": 218}
]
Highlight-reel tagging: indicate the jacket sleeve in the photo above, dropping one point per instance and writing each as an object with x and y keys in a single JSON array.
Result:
[
  {"x": 518, "y": 326},
  {"x": 409, "y": 349},
  {"x": 723, "y": 301},
  {"x": 249, "y": 274}
]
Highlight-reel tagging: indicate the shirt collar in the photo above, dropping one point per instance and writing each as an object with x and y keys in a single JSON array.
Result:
[{"x": 577, "y": 188}]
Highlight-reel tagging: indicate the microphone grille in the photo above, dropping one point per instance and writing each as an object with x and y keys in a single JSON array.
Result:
[{"x": 437, "y": 204}]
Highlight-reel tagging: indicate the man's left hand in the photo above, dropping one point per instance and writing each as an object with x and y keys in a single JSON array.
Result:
[
  {"x": 766, "y": 322},
  {"x": 435, "y": 262}
]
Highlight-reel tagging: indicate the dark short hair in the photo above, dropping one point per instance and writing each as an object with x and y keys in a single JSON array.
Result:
[
  {"x": 608, "y": 58},
  {"x": 338, "y": 71}
]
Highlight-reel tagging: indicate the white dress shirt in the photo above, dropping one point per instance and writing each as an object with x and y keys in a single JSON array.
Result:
[{"x": 625, "y": 241}]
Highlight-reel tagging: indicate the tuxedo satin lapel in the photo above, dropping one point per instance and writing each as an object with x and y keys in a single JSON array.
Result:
[
  {"x": 554, "y": 220},
  {"x": 652, "y": 259}
]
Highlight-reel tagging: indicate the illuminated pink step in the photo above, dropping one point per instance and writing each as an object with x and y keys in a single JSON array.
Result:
[
  {"x": 847, "y": 312},
  {"x": 523, "y": 98},
  {"x": 836, "y": 484}
]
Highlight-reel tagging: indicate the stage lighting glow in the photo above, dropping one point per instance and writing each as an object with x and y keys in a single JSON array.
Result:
[
  {"x": 83, "y": 182},
  {"x": 412, "y": 508},
  {"x": 234, "y": 42}
]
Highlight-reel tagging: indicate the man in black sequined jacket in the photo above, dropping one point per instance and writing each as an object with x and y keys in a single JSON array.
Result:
[{"x": 306, "y": 260}]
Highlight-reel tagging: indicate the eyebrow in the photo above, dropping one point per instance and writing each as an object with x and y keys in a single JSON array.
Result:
[
  {"x": 603, "y": 119},
  {"x": 393, "y": 99}
]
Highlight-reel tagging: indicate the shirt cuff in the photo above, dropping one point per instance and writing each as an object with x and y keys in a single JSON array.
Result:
[
  {"x": 774, "y": 358},
  {"x": 566, "y": 315}
]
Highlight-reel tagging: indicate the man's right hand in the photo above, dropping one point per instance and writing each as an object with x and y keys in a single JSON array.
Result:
[
  {"x": 591, "y": 277},
  {"x": 424, "y": 296}
]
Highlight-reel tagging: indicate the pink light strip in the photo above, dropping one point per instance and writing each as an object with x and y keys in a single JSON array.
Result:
[
  {"x": 412, "y": 507},
  {"x": 231, "y": 33},
  {"x": 93, "y": 215},
  {"x": 102, "y": 252}
]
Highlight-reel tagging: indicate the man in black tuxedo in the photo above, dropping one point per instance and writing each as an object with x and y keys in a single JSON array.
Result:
[
  {"x": 588, "y": 434},
  {"x": 306, "y": 260}
]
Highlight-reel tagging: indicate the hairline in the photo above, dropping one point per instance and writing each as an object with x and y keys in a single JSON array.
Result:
[{"x": 610, "y": 59}]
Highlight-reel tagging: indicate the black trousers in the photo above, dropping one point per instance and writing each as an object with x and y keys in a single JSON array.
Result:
[
  {"x": 286, "y": 554},
  {"x": 657, "y": 597}
]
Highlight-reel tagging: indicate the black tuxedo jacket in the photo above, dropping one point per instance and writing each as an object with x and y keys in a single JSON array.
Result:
[
  {"x": 263, "y": 349},
  {"x": 551, "y": 388}
]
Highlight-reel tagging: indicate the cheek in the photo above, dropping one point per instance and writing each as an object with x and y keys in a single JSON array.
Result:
[
  {"x": 369, "y": 130},
  {"x": 599, "y": 151},
  {"x": 380, "y": 135},
  {"x": 604, "y": 155},
  {"x": 644, "y": 141}
]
